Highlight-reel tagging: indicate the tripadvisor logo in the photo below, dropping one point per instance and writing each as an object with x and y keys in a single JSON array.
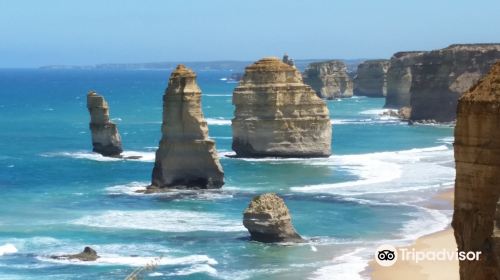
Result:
[{"x": 387, "y": 255}]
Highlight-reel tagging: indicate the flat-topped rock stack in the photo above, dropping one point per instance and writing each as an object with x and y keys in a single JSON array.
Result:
[
  {"x": 105, "y": 137},
  {"x": 476, "y": 219},
  {"x": 371, "y": 78},
  {"x": 186, "y": 157},
  {"x": 329, "y": 79},
  {"x": 278, "y": 115}
]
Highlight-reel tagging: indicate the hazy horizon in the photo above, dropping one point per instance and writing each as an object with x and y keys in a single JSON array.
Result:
[{"x": 56, "y": 32}]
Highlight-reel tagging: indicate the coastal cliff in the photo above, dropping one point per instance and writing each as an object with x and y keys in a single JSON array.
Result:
[
  {"x": 105, "y": 137},
  {"x": 399, "y": 78},
  {"x": 186, "y": 157},
  {"x": 441, "y": 76},
  {"x": 329, "y": 79},
  {"x": 371, "y": 78},
  {"x": 476, "y": 219},
  {"x": 276, "y": 114}
]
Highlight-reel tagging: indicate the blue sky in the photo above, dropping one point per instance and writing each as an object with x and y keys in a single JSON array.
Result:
[{"x": 34, "y": 33}]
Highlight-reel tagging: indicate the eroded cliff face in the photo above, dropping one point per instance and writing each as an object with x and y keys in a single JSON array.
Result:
[
  {"x": 105, "y": 137},
  {"x": 371, "y": 78},
  {"x": 276, "y": 114},
  {"x": 476, "y": 218},
  {"x": 441, "y": 77},
  {"x": 329, "y": 79},
  {"x": 400, "y": 77},
  {"x": 186, "y": 157}
]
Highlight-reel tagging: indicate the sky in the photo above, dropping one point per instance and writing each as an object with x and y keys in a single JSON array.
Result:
[{"x": 55, "y": 32}]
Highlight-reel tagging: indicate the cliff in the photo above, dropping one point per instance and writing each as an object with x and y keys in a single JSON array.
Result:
[
  {"x": 186, "y": 157},
  {"x": 476, "y": 219},
  {"x": 399, "y": 78},
  {"x": 441, "y": 76},
  {"x": 276, "y": 114},
  {"x": 105, "y": 137},
  {"x": 329, "y": 79},
  {"x": 371, "y": 78},
  {"x": 268, "y": 220}
]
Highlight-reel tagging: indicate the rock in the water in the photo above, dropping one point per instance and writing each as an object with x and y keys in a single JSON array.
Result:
[
  {"x": 278, "y": 115},
  {"x": 329, "y": 79},
  {"x": 268, "y": 220},
  {"x": 371, "y": 78},
  {"x": 476, "y": 219},
  {"x": 105, "y": 137},
  {"x": 87, "y": 255},
  {"x": 186, "y": 157},
  {"x": 442, "y": 76},
  {"x": 399, "y": 78}
]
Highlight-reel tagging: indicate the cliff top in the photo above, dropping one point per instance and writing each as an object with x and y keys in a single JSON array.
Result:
[
  {"x": 487, "y": 89},
  {"x": 270, "y": 64},
  {"x": 182, "y": 71},
  {"x": 472, "y": 47},
  {"x": 407, "y": 54},
  {"x": 333, "y": 61}
]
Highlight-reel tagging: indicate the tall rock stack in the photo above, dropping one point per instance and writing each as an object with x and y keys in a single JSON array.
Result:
[
  {"x": 443, "y": 75},
  {"x": 371, "y": 78},
  {"x": 278, "y": 115},
  {"x": 186, "y": 157},
  {"x": 476, "y": 219},
  {"x": 105, "y": 137},
  {"x": 399, "y": 78},
  {"x": 329, "y": 79}
]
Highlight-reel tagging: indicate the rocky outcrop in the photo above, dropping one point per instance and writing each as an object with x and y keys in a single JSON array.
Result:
[
  {"x": 288, "y": 60},
  {"x": 87, "y": 255},
  {"x": 329, "y": 79},
  {"x": 371, "y": 78},
  {"x": 441, "y": 77},
  {"x": 268, "y": 220},
  {"x": 186, "y": 157},
  {"x": 105, "y": 137},
  {"x": 278, "y": 115},
  {"x": 476, "y": 218},
  {"x": 400, "y": 77}
]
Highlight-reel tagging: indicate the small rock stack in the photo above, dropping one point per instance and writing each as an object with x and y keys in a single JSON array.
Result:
[
  {"x": 105, "y": 137},
  {"x": 278, "y": 115},
  {"x": 186, "y": 157},
  {"x": 476, "y": 219},
  {"x": 268, "y": 220},
  {"x": 371, "y": 78}
]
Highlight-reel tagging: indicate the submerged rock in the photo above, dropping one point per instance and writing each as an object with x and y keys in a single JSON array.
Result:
[
  {"x": 400, "y": 77},
  {"x": 87, "y": 255},
  {"x": 268, "y": 220},
  {"x": 442, "y": 76},
  {"x": 278, "y": 115},
  {"x": 105, "y": 137},
  {"x": 329, "y": 79},
  {"x": 186, "y": 157},
  {"x": 476, "y": 219},
  {"x": 371, "y": 78}
]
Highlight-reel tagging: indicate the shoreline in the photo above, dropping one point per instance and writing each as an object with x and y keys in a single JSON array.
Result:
[{"x": 424, "y": 270}]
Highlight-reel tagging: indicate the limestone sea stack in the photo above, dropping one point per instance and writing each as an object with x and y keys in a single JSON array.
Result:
[
  {"x": 476, "y": 219},
  {"x": 268, "y": 220},
  {"x": 276, "y": 114},
  {"x": 399, "y": 78},
  {"x": 329, "y": 79},
  {"x": 186, "y": 157},
  {"x": 371, "y": 78},
  {"x": 442, "y": 76},
  {"x": 105, "y": 137}
]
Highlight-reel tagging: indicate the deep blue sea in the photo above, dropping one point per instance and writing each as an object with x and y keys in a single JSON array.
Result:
[{"x": 57, "y": 196}]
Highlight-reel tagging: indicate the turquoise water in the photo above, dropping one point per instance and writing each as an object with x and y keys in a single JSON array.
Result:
[{"x": 58, "y": 197}]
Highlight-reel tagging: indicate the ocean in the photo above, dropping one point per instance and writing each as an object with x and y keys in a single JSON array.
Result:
[{"x": 57, "y": 196}]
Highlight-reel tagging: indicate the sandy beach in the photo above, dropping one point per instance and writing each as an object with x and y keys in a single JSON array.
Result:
[{"x": 428, "y": 270}]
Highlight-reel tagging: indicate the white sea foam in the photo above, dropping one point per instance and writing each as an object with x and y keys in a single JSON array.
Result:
[
  {"x": 137, "y": 261},
  {"x": 144, "y": 156},
  {"x": 376, "y": 112},
  {"x": 162, "y": 220},
  {"x": 348, "y": 266},
  {"x": 7, "y": 249},
  {"x": 197, "y": 268},
  {"x": 218, "y": 121}
]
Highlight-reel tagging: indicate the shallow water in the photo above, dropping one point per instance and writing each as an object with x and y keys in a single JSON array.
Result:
[{"x": 58, "y": 197}]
